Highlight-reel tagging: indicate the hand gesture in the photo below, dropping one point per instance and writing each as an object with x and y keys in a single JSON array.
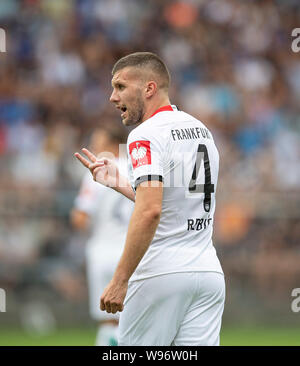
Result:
[{"x": 105, "y": 171}]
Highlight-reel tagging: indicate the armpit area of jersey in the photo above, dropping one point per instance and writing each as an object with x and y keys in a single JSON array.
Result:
[{"x": 147, "y": 178}]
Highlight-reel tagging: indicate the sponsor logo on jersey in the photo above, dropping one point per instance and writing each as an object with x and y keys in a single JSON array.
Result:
[{"x": 140, "y": 153}]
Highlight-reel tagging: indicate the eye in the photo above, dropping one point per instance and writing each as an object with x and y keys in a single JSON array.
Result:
[{"x": 119, "y": 86}]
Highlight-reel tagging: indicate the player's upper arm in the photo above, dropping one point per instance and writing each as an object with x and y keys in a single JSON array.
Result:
[{"x": 148, "y": 199}]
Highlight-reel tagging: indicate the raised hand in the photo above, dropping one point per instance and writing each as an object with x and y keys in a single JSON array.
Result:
[{"x": 104, "y": 170}]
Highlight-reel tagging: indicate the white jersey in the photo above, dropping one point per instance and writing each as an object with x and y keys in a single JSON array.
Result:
[
  {"x": 110, "y": 213},
  {"x": 177, "y": 149}
]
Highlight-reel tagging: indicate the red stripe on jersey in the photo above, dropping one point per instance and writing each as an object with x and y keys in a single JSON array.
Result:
[{"x": 162, "y": 109}]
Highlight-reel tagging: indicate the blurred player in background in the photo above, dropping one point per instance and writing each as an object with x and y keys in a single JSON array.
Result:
[
  {"x": 105, "y": 214},
  {"x": 169, "y": 282}
]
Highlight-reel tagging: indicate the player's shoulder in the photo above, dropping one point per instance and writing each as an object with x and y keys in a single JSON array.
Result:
[
  {"x": 158, "y": 126},
  {"x": 155, "y": 125},
  {"x": 145, "y": 130},
  {"x": 167, "y": 119}
]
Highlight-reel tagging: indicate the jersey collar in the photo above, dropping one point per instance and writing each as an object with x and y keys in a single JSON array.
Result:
[{"x": 165, "y": 108}]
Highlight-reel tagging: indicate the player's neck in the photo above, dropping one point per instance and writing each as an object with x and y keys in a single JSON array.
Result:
[{"x": 155, "y": 105}]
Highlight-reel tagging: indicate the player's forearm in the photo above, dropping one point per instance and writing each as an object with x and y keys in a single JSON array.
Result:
[
  {"x": 141, "y": 231},
  {"x": 125, "y": 188}
]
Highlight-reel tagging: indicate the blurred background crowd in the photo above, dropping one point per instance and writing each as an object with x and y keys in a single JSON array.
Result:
[{"x": 232, "y": 67}]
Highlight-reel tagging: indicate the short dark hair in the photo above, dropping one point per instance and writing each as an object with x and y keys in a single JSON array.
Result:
[{"x": 145, "y": 59}]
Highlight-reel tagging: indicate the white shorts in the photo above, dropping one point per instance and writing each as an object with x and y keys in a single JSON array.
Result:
[
  {"x": 100, "y": 267},
  {"x": 178, "y": 309}
]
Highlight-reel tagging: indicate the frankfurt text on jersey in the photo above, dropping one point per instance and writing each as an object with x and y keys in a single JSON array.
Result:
[{"x": 190, "y": 133}]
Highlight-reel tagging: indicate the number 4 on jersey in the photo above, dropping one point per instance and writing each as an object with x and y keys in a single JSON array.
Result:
[{"x": 207, "y": 188}]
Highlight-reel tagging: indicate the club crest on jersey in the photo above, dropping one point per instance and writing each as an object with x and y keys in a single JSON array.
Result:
[{"x": 140, "y": 153}]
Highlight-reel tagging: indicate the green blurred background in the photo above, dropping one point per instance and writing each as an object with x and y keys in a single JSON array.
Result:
[
  {"x": 230, "y": 336},
  {"x": 233, "y": 67}
]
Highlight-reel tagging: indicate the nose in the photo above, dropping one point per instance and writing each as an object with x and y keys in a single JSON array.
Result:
[{"x": 114, "y": 97}]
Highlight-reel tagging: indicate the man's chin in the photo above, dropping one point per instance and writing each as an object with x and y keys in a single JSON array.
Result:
[
  {"x": 128, "y": 122},
  {"x": 125, "y": 121}
]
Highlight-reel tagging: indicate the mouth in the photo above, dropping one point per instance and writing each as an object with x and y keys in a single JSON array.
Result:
[{"x": 123, "y": 109}]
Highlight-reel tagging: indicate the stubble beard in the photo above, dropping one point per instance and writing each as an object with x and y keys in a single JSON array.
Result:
[{"x": 136, "y": 113}]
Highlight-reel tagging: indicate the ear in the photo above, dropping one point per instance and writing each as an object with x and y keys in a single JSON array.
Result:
[{"x": 151, "y": 89}]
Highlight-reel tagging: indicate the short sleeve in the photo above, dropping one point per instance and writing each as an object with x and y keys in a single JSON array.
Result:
[{"x": 145, "y": 155}]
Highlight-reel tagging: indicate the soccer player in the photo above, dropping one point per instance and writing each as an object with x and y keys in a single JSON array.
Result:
[
  {"x": 169, "y": 284},
  {"x": 105, "y": 215}
]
